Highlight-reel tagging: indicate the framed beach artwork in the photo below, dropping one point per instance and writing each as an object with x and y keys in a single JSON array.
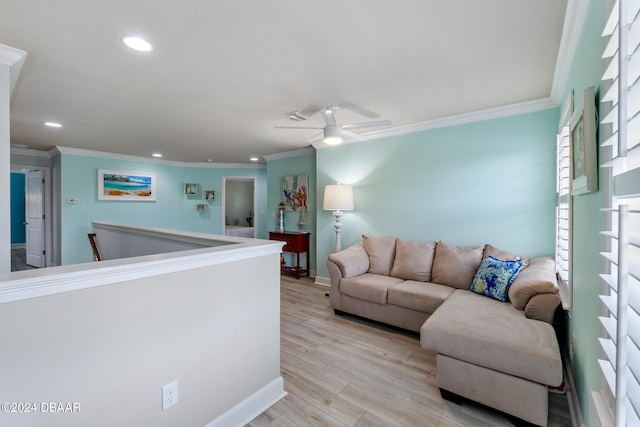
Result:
[
  {"x": 126, "y": 186},
  {"x": 294, "y": 192},
  {"x": 584, "y": 146}
]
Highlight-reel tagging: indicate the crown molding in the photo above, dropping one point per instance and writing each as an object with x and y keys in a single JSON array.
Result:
[
  {"x": 458, "y": 119},
  {"x": 291, "y": 153},
  {"x": 575, "y": 19},
  {"x": 14, "y": 59},
  {"x": 30, "y": 152},
  {"x": 59, "y": 149}
]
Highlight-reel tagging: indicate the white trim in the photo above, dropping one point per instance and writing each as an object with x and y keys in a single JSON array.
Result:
[
  {"x": 30, "y": 152},
  {"x": 252, "y": 406},
  {"x": 42, "y": 282},
  {"x": 572, "y": 396},
  {"x": 59, "y": 149},
  {"x": 459, "y": 119},
  {"x": 223, "y": 201},
  {"x": 48, "y": 209},
  {"x": 324, "y": 281},
  {"x": 602, "y": 410},
  {"x": 14, "y": 58},
  {"x": 574, "y": 21},
  {"x": 290, "y": 153}
]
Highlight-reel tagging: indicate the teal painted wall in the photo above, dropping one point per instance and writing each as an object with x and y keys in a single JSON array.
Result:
[
  {"x": 18, "y": 231},
  {"x": 471, "y": 184},
  {"x": 276, "y": 169},
  {"x": 586, "y": 70},
  {"x": 172, "y": 209}
]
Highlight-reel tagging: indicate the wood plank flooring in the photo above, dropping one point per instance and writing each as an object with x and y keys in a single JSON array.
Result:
[{"x": 341, "y": 371}]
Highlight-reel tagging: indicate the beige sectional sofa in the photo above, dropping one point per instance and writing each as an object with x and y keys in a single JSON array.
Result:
[{"x": 502, "y": 354}]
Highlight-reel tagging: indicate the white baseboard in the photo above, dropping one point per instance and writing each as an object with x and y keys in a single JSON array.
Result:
[
  {"x": 322, "y": 281},
  {"x": 572, "y": 396},
  {"x": 252, "y": 406}
]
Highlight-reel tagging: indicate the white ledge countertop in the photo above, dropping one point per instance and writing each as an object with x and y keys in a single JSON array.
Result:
[{"x": 216, "y": 249}]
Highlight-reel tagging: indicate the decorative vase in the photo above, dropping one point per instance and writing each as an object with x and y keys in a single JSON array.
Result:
[
  {"x": 302, "y": 223},
  {"x": 281, "y": 217}
]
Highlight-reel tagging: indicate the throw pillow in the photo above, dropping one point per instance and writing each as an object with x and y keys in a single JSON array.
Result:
[
  {"x": 413, "y": 260},
  {"x": 504, "y": 255},
  {"x": 494, "y": 277},
  {"x": 381, "y": 251},
  {"x": 455, "y": 266}
]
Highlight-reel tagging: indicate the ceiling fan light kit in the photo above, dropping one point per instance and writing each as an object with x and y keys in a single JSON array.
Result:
[{"x": 333, "y": 134}]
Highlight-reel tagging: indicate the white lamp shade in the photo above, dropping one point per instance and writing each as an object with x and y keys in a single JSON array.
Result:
[{"x": 338, "y": 198}]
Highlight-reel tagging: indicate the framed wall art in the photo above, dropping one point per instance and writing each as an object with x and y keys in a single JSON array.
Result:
[
  {"x": 294, "y": 192},
  {"x": 584, "y": 145},
  {"x": 126, "y": 186}
]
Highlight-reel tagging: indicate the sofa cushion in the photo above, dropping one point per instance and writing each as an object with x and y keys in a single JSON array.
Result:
[
  {"x": 413, "y": 260},
  {"x": 368, "y": 287},
  {"x": 381, "y": 251},
  {"x": 495, "y": 335},
  {"x": 494, "y": 277},
  {"x": 538, "y": 278},
  {"x": 503, "y": 255},
  {"x": 420, "y": 296},
  {"x": 455, "y": 265}
]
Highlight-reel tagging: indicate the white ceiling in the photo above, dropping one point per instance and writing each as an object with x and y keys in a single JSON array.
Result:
[{"x": 223, "y": 73}]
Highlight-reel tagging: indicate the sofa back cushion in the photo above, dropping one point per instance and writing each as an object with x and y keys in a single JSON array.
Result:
[
  {"x": 455, "y": 266},
  {"x": 381, "y": 251},
  {"x": 413, "y": 260}
]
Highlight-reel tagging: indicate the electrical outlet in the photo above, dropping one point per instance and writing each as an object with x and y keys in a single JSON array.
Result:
[{"x": 169, "y": 395}]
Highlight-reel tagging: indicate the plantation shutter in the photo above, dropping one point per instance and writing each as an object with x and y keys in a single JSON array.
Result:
[
  {"x": 621, "y": 343},
  {"x": 563, "y": 219}
]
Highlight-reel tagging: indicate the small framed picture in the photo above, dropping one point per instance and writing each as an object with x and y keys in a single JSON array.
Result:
[
  {"x": 209, "y": 195},
  {"x": 201, "y": 207}
]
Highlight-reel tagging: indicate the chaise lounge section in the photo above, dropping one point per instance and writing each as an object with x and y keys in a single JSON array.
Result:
[{"x": 494, "y": 345}]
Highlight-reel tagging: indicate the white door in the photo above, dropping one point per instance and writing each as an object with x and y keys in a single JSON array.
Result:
[{"x": 34, "y": 218}]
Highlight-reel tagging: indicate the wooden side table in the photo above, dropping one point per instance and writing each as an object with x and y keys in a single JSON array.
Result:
[{"x": 296, "y": 243}]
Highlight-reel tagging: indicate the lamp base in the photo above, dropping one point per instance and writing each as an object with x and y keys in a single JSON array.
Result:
[{"x": 338, "y": 227}]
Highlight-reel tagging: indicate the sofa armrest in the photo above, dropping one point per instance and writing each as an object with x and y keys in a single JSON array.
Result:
[
  {"x": 352, "y": 261},
  {"x": 538, "y": 278},
  {"x": 542, "y": 307}
]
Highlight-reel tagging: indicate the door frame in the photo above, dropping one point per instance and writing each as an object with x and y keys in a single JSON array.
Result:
[
  {"x": 223, "y": 201},
  {"x": 48, "y": 207}
]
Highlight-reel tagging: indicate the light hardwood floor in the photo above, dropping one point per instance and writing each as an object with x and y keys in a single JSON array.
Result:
[{"x": 341, "y": 371}]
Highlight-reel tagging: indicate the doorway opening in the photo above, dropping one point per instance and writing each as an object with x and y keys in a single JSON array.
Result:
[
  {"x": 31, "y": 244},
  {"x": 239, "y": 206}
]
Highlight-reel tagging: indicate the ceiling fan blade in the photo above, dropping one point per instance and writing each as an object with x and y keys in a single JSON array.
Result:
[
  {"x": 360, "y": 110},
  {"x": 352, "y": 135},
  {"x": 368, "y": 124},
  {"x": 315, "y": 138},
  {"x": 297, "y": 127}
]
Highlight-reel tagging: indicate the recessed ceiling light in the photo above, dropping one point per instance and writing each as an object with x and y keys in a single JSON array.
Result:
[
  {"x": 158, "y": 155},
  {"x": 137, "y": 43},
  {"x": 254, "y": 159},
  {"x": 53, "y": 124}
]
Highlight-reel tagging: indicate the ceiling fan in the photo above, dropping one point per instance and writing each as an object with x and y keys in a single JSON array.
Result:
[{"x": 333, "y": 133}]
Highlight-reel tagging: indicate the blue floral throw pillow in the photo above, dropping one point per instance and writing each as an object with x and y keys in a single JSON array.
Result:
[{"x": 494, "y": 277}]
